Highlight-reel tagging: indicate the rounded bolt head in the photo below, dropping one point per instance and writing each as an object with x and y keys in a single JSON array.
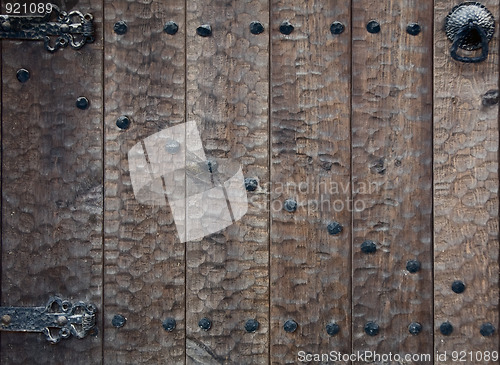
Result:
[
  {"x": 290, "y": 326},
  {"x": 169, "y": 324},
  {"x": 172, "y": 146},
  {"x": 446, "y": 328},
  {"x": 490, "y": 98},
  {"x": 6, "y": 25},
  {"x": 487, "y": 329},
  {"x": 334, "y": 228},
  {"x": 415, "y": 328},
  {"x": 368, "y": 246},
  {"x": 373, "y": 27},
  {"x": 204, "y": 30},
  {"x": 6, "y": 319},
  {"x": 123, "y": 122},
  {"x": 118, "y": 321},
  {"x": 337, "y": 28},
  {"x": 171, "y": 27},
  {"x": 62, "y": 320},
  {"x": 413, "y": 29},
  {"x": 205, "y": 324},
  {"x": 64, "y": 28},
  {"x": 120, "y": 27},
  {"x": 372, "y": 329},
  {"x": 332, "y": 329},
  {"x": 413, "y": 266},
  {"x": 290, "y": 205},
  {"x": 286, "y": 28},
  {"x": 251, "y": 326},
  {"x": 256, "y": 28},
  {"x": 23, "y": 75},
  {"x": 82, "y": 103},
  {"x": 458, "y": 286},
  {"x": 251, "y": 184}
]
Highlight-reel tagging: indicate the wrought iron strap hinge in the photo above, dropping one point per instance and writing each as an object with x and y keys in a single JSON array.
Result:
[
  {"x": 73, "y": 28},
  {"x": 59, "y": 319}
]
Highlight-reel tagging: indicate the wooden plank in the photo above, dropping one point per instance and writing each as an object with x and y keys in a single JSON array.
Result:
[
  {"x": 310, "y": 144},
  {"x": 392, "y": 176},
  {"x": 465, "y": 196},
  {"x": 144, "y": 260},
  {"x": 51, "y": 189},
  {"x": 227, "y": 98}
]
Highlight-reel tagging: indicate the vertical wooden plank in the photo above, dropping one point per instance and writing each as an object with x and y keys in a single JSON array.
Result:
[
  {"x": 144, "y": 260},
  {"x": 52, "y": 188},
  {"x": 227, "y": 98},
  {"x": 465, "y": 197},
  {"x": 310, "y": 144},
  {"x": 392, "y": 176}
]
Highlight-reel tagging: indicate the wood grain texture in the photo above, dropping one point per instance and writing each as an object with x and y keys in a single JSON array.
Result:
[
  {"x": 465, "y": 194},
  {"x": 310, "y": 146},
  {"x": 227, "y": 97},
  {"x": 51, "y": 189},
  {"x": 392, "y": 156},
  {"x": 144, "y": 260}
]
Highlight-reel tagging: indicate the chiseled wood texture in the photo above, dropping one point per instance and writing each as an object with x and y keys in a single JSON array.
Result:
[
  {"x": 227, "y": 96},
  {"x": 144, "y": 260},
  {"x": 51, "y": 189},
  {"x": 465, "y": 194},
  {"x": 310, "y": 163},
  {"x": 392, "y": 175}
]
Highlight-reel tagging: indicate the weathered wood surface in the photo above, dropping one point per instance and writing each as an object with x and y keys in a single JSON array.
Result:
[
  {"x": 227, "y": 96},
  {"x": 144, "y": 261},
  {"x": 310, "y": 163},
  {"x": 465, "y": 195},
  {"x": 52, "y": 190},
  {"x": 392, "y": 157}
]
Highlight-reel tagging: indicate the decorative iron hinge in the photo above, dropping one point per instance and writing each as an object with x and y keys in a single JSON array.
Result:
[
  {"x": 73, "y": 28},
  {"x": 59, "y": 319}
]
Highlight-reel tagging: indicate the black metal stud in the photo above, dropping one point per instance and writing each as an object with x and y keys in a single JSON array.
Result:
[
  {"x": 169, "y": 324},
  {"x": 372, "y": 329},
  {"x": 334, "y": 228},
  {"x": 123, "y": 122},
  {"x": 337, "y": 28},
  {"x": 487, "y": 329},
  {"x": 458, "y": 286},
  {"x": 256, "y": 28},
  {"x": 252, "y": 325},
  {"x": 204, "y": 30},
  {"x": 120, "y": 27},
  {"x": 413, "y": 29},
  {"x": 205, "y": 324},
  {"x": 118, "y": 321},
  {"x": 286, "y": 28},
  {"x": 332, "y": 329},
  {"x": 251, "y": 184},
  {"x": 290, "y": 205},
  {"x": 82, "y": 103},
  {"x": 170, "y": 27},
  {"x": 413, "y": 266},
  {"x": 373, "y": 27},
  {"x": 368, "y": 246},
  {"x": 290, "y": 326},
  {"x": 172, "y": 146},
  {"x": 415, "y": 328},
  {"x": 446, "y": 328},
  {"x": 23, "y": 75},
  {"x": 490, "y": 98}
]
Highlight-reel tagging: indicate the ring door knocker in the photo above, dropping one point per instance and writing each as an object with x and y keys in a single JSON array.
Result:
[{"x": 470, "y": 26}]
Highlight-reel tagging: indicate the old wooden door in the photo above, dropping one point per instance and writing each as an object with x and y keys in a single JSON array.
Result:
[{"x": 368, "y": 154}]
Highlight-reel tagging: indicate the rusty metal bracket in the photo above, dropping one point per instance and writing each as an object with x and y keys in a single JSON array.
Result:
[
  {"x": 59, "y": 319},
  {"x": 73, "y": 28}
]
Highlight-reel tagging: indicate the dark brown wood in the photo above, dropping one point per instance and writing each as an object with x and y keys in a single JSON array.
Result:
[
  {"x": 227, "y": 97},
  {"x": 144, "y": 261},
  {"x": 465, "y": 195},
  {"x": 392, "y": 175},
  {"x": 51, "y": 189},
  {"x": 310, "y": 146}
]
